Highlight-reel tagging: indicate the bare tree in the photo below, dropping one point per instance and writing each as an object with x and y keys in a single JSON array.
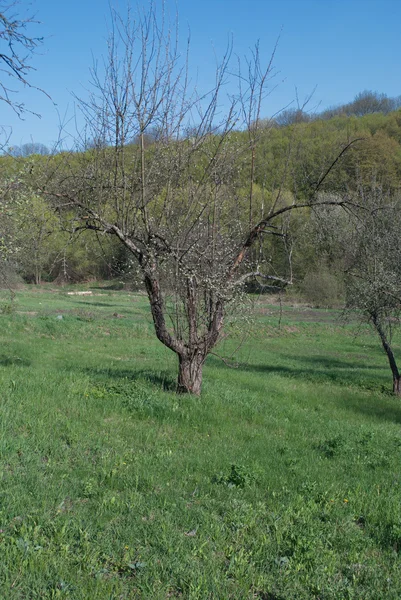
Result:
[
  {"x": 28, "y": 149},
  {"x": 364, "y": 103},
  {"x": 373, "y": 269},
  {"x": 292, "y": 116},
  {"x": 17, "y": 46},
  {"x": 183, "y": 205}
]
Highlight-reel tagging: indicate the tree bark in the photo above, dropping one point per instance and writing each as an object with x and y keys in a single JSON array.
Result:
[
  {"x": 158, "y": 312},
  {"x": 193, "y": 353},
  {"x": 190, "y": 373},
  {"x": 390, "y": 355},
  {"x": 397, "y": 386}
]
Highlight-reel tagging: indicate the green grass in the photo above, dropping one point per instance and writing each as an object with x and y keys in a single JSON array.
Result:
[{"x": 281, "y": 482}]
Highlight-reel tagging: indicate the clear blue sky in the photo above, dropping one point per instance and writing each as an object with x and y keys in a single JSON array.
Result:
[{"x": 341, "y": 47}]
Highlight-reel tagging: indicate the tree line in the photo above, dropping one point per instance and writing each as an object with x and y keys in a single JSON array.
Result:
[{"x": 285, "y": 158}]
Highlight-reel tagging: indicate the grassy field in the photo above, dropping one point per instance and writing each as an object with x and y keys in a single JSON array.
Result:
[{"x": 281, "y": 482}]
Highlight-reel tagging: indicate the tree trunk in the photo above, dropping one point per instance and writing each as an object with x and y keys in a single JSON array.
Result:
[
  {"x": 190, "y": 373},
  {"x": 390, "y": 355},
  {"x": 192, "y": 355},
  {"x": 397, "y": 386}
]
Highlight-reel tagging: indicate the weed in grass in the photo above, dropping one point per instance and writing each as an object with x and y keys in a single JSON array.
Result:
[
  {"x": 6, "y": 361},
  {"x": 267, "y": 596},
  {"x": 8, "y": 308},
  {"x": 135, "y": 396},
  {"x": 330, "y": 447},
  {"x": 85, "y": 316},
  {"x": 239, "y": 476}
]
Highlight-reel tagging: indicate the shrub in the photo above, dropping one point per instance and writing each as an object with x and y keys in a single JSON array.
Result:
[{"x": 321, "y": 288}]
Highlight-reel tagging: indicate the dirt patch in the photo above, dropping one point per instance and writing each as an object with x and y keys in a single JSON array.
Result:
[{"x": 291, "y": 329}]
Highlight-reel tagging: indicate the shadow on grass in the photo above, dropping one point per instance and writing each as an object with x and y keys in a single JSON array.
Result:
[
  {"x": 321, "y": 362},
  {"x": 340, "y": 373},
  {"x": 162, "y": 379},
  {"x": 7, "y": 361},
  {"x": 384, "y": 409},
  {"x": 106, "y": 304},
  {"x": 319, "y": 369},
  {"x": 114, "y": 287}
]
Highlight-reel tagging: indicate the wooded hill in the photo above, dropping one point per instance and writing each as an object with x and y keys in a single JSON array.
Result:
[{"x": 291, "y": 154}]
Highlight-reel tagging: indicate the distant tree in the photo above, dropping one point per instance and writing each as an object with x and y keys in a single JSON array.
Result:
[
  {"x": 29, "y": 149},
  {"x": 376, "y": 163},
  {"x": 367, "y": 102},
  {"x": 373, "y": 270},
  {"x": 363, "y": 246},
  {"x": 396, "y": 102},
  {"x": 364, "y": 103},
  {"x": 17, "y": 47},
  {"x": 35, "y": 227},
  {"x": 291, "y": 116},
  {"x": 11, "y": 198}
]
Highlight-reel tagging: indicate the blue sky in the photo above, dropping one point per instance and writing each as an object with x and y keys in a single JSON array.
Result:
[{"x": 341, "y": 47}]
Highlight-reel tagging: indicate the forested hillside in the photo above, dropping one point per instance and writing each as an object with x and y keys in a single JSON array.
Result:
[{"x": 291, "y": 154}]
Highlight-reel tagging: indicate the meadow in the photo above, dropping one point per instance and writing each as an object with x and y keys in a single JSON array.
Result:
[{"x": 281, "y": 482}]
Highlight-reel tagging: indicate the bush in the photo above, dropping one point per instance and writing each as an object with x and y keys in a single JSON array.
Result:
[{"x": 322, "y": 288}]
